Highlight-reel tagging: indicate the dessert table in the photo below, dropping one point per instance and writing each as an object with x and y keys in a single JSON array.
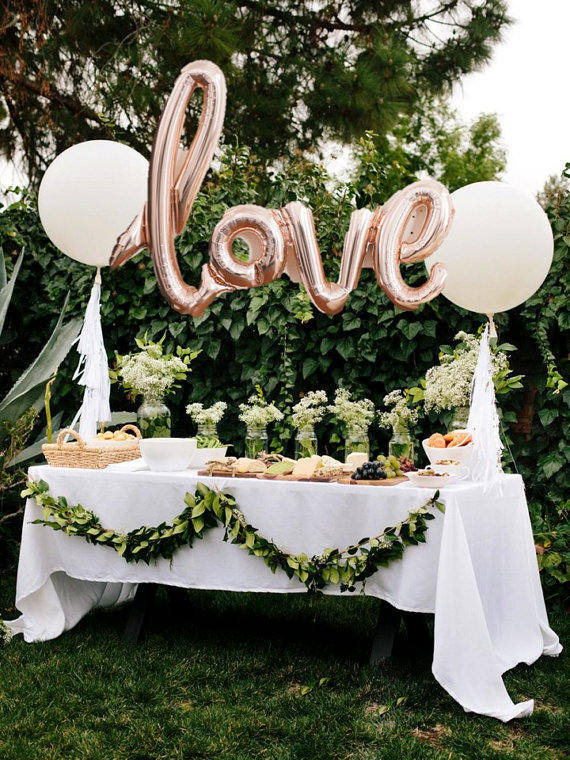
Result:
[{"x": 477, "y": 570}]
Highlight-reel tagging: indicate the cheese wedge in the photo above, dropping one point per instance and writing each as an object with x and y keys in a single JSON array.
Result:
[
  {"x": 356, "y": 459},
  {"x": 330, "y": 461},
  {"x": 307, "y": 467}
]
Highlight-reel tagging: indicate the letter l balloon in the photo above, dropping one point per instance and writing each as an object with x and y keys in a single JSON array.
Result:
[{"x": 408, "y": 228}]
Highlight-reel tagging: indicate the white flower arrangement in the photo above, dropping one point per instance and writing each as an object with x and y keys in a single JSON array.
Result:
[
  {"x": 401, "y": 415},
  {"x": 356, "y": 415},
  {"x": 309, "y": 410},
  {"x": 206, "y": 416},
  {"x": 448, "y": 385},
  {"x": 150, "y": 372},
  {"x": 258, "y": 413}
]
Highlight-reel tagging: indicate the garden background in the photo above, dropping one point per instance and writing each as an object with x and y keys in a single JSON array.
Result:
[{"x": 298, "y": 78}]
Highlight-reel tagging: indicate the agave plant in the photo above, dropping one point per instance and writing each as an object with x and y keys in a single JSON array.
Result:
[{"x": 21, "y": 405}]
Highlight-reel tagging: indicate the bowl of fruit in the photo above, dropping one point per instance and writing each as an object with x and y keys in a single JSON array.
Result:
[{"x": 457, "y": 445}]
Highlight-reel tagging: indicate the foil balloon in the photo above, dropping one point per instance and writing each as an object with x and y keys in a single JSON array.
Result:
[{"x": 408, "y": 228}]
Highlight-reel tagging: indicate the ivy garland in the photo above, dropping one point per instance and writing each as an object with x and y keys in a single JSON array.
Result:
[{"x": 208, "y": 509}]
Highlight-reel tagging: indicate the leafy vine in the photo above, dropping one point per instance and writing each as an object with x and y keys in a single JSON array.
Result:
[{"x": 206, "y": 509}]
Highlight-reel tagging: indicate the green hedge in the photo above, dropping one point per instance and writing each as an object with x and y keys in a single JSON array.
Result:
[{"x": 272, "y": 336}]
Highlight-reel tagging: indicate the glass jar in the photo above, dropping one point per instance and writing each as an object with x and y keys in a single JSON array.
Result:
[
  {"x": 460, "y": 418},
  {"x": 154, "y": 419},
  {"x": 255, "y": 441},
  {"x": 401, "y": 443},
  {"x": 305, "y": 442},
  {"x": 356, "y": 441},
  {"x": 207, "y": 435}
]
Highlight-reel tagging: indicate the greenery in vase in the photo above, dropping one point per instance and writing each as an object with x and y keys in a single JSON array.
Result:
[
  {"x": 151, "y": 372},
  {"x": 257, "y": 412},
  {"x": 155, "y": 425},
  {"x": 448, "y": 385},
  {"x": 357, "y": 416}
]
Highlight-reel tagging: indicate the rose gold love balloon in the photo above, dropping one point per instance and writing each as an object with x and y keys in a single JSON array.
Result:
[{"x": 408, "y": 228}]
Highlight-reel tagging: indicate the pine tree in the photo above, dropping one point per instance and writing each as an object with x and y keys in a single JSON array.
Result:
[{"x": 298, "y": 71}]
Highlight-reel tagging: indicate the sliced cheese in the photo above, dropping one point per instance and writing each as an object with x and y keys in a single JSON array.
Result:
[
  {"x": 243, "y": 465},
  {"x": 307, "y": 467}
]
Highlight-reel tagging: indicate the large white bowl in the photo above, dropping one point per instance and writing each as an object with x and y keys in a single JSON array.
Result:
[
  {"x": 201, "y": 457},
  {"x": 167, "y": 454},
  {"x": 461, "y": 454}
]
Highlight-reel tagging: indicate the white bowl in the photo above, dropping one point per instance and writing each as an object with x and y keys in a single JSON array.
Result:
[
  {"x": 425, "y": 481},
  {"x": 167, "y": 454},
  {"x": 461, "y": 454},
  {"x": 202, "y": 456}
]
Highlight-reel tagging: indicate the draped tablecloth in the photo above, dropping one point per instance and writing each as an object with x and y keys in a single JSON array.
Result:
[{"x": 477, "y": 570}]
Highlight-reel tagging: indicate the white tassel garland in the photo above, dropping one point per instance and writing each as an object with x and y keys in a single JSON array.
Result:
[
  {"x": 92, "y": 370},
  {"x": 483, "y": 423}
]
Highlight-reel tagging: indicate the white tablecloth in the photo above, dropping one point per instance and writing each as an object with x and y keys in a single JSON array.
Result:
[{"x": 477, "y": 570}]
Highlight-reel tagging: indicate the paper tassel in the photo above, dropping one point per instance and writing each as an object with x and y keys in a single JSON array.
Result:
[
  {"x": 92, "y": 370},
  {"x": 483, "y": 423}
]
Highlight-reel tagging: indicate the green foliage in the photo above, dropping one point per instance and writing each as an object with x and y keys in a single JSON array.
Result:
[
  {"x": 207, "y": 509},
  {"x": 297, "y": 71}
]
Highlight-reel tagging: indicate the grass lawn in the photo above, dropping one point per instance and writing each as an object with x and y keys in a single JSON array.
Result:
[{"x": 236, "y": 677}]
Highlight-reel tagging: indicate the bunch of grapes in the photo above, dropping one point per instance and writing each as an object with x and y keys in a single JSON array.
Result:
[
  {"x": 391, "y": 466},
  {"x": 384, "y": 467},
  {"x": 369, "y": 471},
  {"x": 407, "y": 465}
]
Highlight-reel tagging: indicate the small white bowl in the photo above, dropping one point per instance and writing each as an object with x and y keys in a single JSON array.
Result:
[
  {"x": 167, "y": 454},
  {"x": 426, "y": 481},
  {"x": 457, "y": 471},
  {"x": 202, "y": 456},
  {"x": 462, "y": 454}
]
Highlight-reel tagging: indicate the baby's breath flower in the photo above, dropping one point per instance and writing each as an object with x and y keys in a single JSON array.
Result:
[
  {"x": 152, "y": 373},
  {"x": 401, "y": 414},
  {"x": 448, "y": 385},
  {"x": 257, "y": 412},
  {"x": 309, "y": 410},
  {"x": 207, "y": 416},
  {"x": 356, "y": 415}
]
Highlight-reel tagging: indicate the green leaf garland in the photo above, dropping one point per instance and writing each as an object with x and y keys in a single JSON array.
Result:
[{"x": 206, "y": 509}]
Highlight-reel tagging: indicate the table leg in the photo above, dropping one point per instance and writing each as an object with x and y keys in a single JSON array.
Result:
[
  {"x": 419, "y": 636},
  {"x": 385, "y": 633},
  {"x": 139, "y": 609}
]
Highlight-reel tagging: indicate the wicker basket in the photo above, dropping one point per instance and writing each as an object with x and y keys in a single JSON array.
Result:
[{"x": 91, "y": 456}]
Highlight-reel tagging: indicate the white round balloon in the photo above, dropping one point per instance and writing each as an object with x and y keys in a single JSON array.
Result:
[
  {"x": 498, "y": 250},
  {"x": 89, "y": 195}
]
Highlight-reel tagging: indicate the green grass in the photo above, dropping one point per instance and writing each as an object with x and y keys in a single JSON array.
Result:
[{"x": 221, "y": 676}]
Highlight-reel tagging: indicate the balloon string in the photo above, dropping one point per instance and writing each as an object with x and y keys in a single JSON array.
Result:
[
  {"x": 492, "y": 327},
  {"x": 98, "y": 276}
]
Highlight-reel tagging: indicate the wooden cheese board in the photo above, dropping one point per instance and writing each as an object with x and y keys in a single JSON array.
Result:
[
  {"x": 345, "y": 480},
  {"x": 385, "y": 482},
  {"x": 225, "y": 474}
]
